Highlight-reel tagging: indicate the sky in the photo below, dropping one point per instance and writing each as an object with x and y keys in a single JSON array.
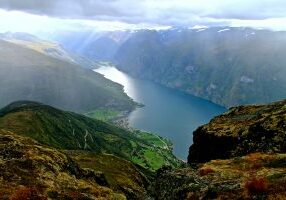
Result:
[{"x": 47, "y": 15}]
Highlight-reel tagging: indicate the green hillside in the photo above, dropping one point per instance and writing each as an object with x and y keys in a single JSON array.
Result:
[{"x": 70, "y": 131}]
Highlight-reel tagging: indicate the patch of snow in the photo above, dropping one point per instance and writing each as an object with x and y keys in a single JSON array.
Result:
[
  {"x": 212, "y": 86},
  {"x": 190, "y": 69},
  {"x": 249, "y": 34},
  {"x": 199, "y": 27},
  {"x": 201, "y": 30},
  {"x": 246, "y": 79},
  {"x": 223, "y": 30}
]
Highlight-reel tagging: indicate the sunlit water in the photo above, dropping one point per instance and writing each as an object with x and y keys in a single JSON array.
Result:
[{"x": 168, "y": 113}]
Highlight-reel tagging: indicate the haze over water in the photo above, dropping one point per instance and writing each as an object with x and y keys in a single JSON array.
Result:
[{"x": 168, "y": 113}]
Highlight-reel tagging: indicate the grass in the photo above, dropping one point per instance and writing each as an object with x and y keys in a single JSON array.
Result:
[
  {"x": 154, "y": 159},
  {"x": 155, "y": 139},
  {"x": 121, "y": 175},
  {"x": 104, "y": 114}
]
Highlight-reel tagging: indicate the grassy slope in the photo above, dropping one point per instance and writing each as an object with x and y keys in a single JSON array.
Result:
[
  {"x": 121, "y": 175},
  {"x": 104, "y": 114},
  {"x": 72, "y": 131},
  {"x": 29, "y": 75}
]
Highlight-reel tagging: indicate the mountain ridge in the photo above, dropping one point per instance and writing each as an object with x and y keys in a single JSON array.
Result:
[{"x": 27, "y": 74}]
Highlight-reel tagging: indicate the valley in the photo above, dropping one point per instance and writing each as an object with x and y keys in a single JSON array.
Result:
[
  {"x": 229, "y": 66},
  {"x": 162, "y": 106}
]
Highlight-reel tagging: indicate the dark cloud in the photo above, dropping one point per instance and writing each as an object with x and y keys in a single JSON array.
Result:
[{"x": 166, "y": 12}]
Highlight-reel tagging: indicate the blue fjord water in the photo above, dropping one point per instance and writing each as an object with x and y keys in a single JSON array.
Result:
[{"x": 168, "y": 113}]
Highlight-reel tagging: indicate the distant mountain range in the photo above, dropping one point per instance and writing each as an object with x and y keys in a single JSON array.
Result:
[
  {"x": 229, "y": 66},
  {"x": 26, "y": 73}
]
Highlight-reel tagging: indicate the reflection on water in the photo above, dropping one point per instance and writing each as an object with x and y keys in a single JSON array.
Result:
[
  {"x": 119, "y": 77},
  {"x": 169, "y": 113}
]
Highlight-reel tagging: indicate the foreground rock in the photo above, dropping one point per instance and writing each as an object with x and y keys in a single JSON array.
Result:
[
  {"x": 242, "y": 130},
  {"x": 255, "y": 176},
  {"x": 32, "y": 171}
]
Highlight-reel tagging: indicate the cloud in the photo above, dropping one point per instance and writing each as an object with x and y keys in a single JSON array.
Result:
[
  {"x": 166, "y": 12},
  {"x": 136, "y": 14},
  {"x": 16, "y": 21}
]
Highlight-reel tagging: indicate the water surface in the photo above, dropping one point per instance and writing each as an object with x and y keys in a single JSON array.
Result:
[{"x": 169, "y": 113}]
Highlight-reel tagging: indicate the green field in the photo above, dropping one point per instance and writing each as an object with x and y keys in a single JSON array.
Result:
[{"x": 104, "y": 114}]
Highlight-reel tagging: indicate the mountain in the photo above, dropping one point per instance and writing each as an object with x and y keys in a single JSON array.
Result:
[
  {"x": 101, "y": 49},
  {"x": 71, "y": 131},
  {"x": 229, "y": 66},
  {"x": 238, "y": 155},
  {"x": 30, "y": 75},
  {"x": 48, "y": 48}
]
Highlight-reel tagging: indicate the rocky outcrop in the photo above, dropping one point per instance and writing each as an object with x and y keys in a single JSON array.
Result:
[
  {"x": 240, "y": 131},
  {"x": 255, "y": 176}
]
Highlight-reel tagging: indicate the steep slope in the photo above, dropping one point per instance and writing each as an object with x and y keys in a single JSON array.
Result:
[
  {"x": 32, "y": 171},
  {"x": 102, "y": 49},
  {"x": 229, "y": 66},
  {"x": 42, "y": 46},
  {"x": 121, "y": 175},
  {"x": 242, "y": 130},
  {"x": 27, "y": 74},
  {"x": 70, "y": 131}
]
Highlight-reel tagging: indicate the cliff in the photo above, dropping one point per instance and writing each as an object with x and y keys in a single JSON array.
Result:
[{"x": 242, "y": 130}]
